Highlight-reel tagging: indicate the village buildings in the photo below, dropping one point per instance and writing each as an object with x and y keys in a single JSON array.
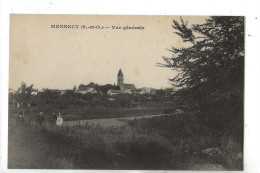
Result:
[{"x": 92, "y": 88}]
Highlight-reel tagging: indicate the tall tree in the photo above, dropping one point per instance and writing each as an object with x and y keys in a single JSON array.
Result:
[
  {"x": 23, "y": 94},
  {"x": 213, "y": 57}
]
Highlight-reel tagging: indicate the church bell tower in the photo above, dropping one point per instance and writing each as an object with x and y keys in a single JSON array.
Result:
[{"x": 120, "y": 79}]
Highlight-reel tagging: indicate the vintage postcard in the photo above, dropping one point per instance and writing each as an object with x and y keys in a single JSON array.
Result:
[{"x": 121, "y": 92}]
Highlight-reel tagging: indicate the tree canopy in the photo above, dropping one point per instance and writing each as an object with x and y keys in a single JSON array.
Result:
[
  {"x": 23, "y": 94},
  {"x": 210, "y": 65},
  {"x": 214, "y": 53}
]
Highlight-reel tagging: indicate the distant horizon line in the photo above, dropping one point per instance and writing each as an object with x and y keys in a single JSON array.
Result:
[{"x": 86, "y": 84}]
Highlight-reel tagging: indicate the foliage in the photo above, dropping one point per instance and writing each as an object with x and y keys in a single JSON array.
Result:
[
  {"x": 212, "y": 58},
  {"x": 50, "y": 96},
  {"x": 105, "y": 88},
  {"x": 153, "y": 143},
  {"x": 189, "y": 138},
  {"x": 23, "y": 94}
]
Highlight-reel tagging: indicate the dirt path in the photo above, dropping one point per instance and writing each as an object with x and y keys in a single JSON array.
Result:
[{"x": 108, "y": 122}]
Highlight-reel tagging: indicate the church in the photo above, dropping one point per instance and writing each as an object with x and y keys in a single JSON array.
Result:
[
  {"x": 122, "y": 85},
  {"x": 124, "y": 88}
]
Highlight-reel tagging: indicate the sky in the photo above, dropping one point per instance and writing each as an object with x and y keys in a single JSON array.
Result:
[{"x": 58, "y": 58}]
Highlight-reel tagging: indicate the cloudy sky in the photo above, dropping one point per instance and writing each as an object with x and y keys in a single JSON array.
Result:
[{"x": 61, "y": 58}]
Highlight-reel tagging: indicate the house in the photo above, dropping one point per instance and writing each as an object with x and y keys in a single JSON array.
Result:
[
  {"x": 65, "y": 91},
  {"x": 84, "y": 89},
  {"x": 129, "y": 87},
  {"x": 148, "y": 90},
  {"x": 34, "y": 93},
  {"x": 115, "y": 92},
  {"x": 170, "y": 90},
  {"x": 138, "y": 91}
]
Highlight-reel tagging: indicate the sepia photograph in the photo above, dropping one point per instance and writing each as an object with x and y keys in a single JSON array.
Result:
[{"x": 126, "y": 92}]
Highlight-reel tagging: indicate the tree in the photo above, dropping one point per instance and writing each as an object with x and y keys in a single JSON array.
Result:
[
  {"x": 50, "y": 97},
  {"x": 104, "y": 88},
  {"x": 212, "y": 61},
  {"x": 23, "y": 94}
]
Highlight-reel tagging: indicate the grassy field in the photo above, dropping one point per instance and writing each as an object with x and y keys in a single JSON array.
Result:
[
  {"x": 86, "y": 113},
  {"x": 97, "y": 113},
  {"x": 159, "y": 143}
]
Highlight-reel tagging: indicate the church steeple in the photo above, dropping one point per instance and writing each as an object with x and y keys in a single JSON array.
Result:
[
  {"x": 120, "y": 79},
  {"x": 120, "y": 73}
]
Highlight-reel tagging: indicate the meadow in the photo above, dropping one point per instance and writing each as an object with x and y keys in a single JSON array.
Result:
[
  {"x": 176, "y": 142},
  {"x": 206, "y": 136}
]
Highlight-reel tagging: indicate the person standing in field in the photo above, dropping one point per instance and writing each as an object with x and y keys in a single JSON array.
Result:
[
  {"x": 41, "y": 118},
  {"x": 20, "y": 118},
  {"x": 53, "y": 118},
  {"x": 59, "y": 120}
]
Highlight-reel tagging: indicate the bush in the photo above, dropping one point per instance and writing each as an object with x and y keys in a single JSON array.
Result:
[{"x": 145, "y": 152}]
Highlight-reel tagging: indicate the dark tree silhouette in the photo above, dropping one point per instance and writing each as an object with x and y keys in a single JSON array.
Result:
[
  {"x": 212, "y": 60},
  {"x": 23, "y": 94},
  {"x": 51, "y": 97}
]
